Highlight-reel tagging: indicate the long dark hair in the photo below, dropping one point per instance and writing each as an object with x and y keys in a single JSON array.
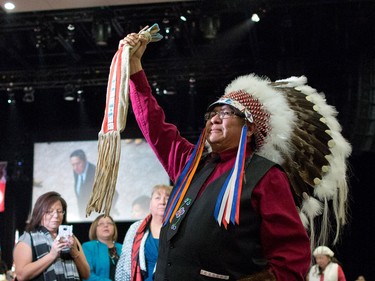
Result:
[{"x": 42, "y": 205}]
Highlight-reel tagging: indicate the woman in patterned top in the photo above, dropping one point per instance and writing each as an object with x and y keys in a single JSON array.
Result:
[{"x": 40, "y": 253}]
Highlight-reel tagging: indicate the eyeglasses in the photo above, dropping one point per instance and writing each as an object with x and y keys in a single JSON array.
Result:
[
  {"x": 222, "y": 114},
  {"x": 101, "y": 224},
  {"x": 52, "y": 212}
]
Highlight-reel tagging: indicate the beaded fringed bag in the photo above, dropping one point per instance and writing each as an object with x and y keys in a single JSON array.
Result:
[{"x": 114, "y": 122}]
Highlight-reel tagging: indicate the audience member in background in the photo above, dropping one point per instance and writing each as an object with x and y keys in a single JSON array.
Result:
[
  {"x": 141, "y": 207},
  {"x": 38, "y": 254},
  {"x": 84, "y": 174},
  {"x": 102, "y": 252},
  {"x": 141, "y": 244},
  {"x": 326, "y": 267},
  {"x": 360, "y": 278}
]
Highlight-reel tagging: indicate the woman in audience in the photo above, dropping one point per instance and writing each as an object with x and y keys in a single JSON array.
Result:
[
  {"x": 42, "y": 254},
  {"x": 102, "y": 251},
  {"x": 141, "y": 243},
  {"x": 326, "y": 267}
]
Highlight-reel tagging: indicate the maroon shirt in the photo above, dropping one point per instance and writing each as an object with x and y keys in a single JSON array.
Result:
[{"x": 283, "y": 237}]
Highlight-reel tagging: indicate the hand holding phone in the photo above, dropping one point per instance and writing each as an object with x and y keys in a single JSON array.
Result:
[{"x": 63, "y": 236}]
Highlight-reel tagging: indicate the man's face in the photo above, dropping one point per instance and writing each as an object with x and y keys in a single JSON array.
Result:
[
  {"x": 224, "y": 134},
  {"x": 78, "y": 164}
]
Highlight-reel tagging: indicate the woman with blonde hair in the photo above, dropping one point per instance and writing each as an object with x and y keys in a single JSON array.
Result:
[
  {"x": 102, "y": 251},
  {"x": 141, "y": 243}
]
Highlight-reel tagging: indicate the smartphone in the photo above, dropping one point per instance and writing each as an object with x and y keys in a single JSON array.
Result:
[{"x": 64, "y": 232}]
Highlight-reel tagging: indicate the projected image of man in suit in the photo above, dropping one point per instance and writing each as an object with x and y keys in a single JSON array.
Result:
[{"x": 84, "y": 174}]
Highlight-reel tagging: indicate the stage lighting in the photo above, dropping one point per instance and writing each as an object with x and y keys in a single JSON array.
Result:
[
  {"x": 101, "y": 32},
  {"x": 9, "y": 6},
  {"x": 210, "y": 25},
  {"x": 11, "y": 94},
  {"x": 69, "y": 92},
  {"x": 28, "y": 96},
  {"x": 70, "y": 33},
  {"x": 80, "y": 97},
  {"x": 255, "y": 17}
]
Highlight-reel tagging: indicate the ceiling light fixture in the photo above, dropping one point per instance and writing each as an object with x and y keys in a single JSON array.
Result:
[
  {"x": 101, "y": 32},
  {"x": 192, "y": 90},
  {"x": 255, "y": 17},
  {"x": 39, "y": 37},
  {"x": 210, "y": 25},
  {"x": 28, "y": 96},
  {"x": 80, "y": 95},
  {"x": 9, "y": 6},
  {"x": 69, "y": 93},
  {"x": 70, "y": 34},
  {"x": 170, "y": 91},
  {"x": 11, "y": 94}
]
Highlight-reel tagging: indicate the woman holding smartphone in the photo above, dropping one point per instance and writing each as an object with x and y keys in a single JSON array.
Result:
[{"x": 40, "y": 252}]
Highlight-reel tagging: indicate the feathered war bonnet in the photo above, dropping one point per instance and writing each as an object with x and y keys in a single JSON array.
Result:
[
  {"x": 298, "y": 130},
  {"x": 295, "y": 128}
]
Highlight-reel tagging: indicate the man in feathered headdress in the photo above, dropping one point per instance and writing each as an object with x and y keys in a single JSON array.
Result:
[{"x": 232, "y": 214}]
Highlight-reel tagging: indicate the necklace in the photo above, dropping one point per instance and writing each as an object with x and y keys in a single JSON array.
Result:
[{"x": 113, "y": 255}]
